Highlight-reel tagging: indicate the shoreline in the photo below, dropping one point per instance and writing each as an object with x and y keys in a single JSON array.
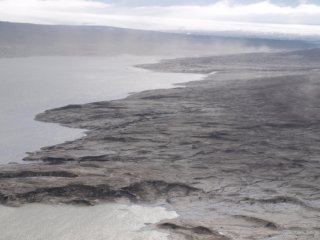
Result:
[
  {"x": 65, "y": 80},
  {"x": 236, "y": 158}
]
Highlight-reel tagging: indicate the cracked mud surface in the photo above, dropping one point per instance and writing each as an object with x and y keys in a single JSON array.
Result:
[{"x": 236, "y": 155}]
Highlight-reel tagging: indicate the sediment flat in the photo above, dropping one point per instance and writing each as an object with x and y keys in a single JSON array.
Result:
[{"x": 235, "y": 155}]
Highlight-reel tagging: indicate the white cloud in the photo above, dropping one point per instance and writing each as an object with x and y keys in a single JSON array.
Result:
[{"x": 263, "y": 17}]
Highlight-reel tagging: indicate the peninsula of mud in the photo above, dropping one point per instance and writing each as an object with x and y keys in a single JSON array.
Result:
[{"x": 236, "y": 155}]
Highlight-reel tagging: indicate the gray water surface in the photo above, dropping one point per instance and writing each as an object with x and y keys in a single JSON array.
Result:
[
  {"x": 32, "y": 85},
  {"x": 111, "y": 221}
]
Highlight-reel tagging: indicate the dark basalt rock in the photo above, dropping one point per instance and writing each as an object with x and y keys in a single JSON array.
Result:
[
  {"x": 259, "y": 222},
  {"x": 146, "y": 191},
  {"x": 190, "y": 232},
  {"x": 150, "y": 191},
  {"x": 27, "y": 174}
]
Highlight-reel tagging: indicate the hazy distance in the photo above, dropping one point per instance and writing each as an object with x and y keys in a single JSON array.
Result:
[{"x": 18, "y": 39}]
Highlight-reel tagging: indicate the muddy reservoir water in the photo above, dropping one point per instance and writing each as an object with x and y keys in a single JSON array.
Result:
[
  {"x": 31, "y": 85},
  {"x": 103, "y": 222}
]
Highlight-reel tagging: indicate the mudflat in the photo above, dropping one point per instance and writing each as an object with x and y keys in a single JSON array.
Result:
[{"x": 235, "y": 155}]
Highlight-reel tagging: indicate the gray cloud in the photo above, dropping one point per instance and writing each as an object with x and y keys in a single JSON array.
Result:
[
  {"x": 257, "y": 16},
  {"x": 200, "y": 2}
]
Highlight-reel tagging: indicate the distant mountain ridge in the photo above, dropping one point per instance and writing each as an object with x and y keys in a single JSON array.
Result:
[{"x": 21, "y": 39}]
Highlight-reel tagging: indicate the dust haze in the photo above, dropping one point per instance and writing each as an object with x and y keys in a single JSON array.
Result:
[{"x": 18, "y": 39}]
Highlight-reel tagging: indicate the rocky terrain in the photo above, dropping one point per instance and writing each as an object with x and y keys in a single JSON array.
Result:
[{"x": 236, "y": 155}]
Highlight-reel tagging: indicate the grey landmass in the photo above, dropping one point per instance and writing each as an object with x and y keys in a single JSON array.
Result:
[
  {"x": 236, "y": 155},
  {"x": 21, "y": 39}
]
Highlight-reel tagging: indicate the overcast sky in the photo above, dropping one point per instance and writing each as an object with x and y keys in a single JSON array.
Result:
[{"x": 279, "y": 17}]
